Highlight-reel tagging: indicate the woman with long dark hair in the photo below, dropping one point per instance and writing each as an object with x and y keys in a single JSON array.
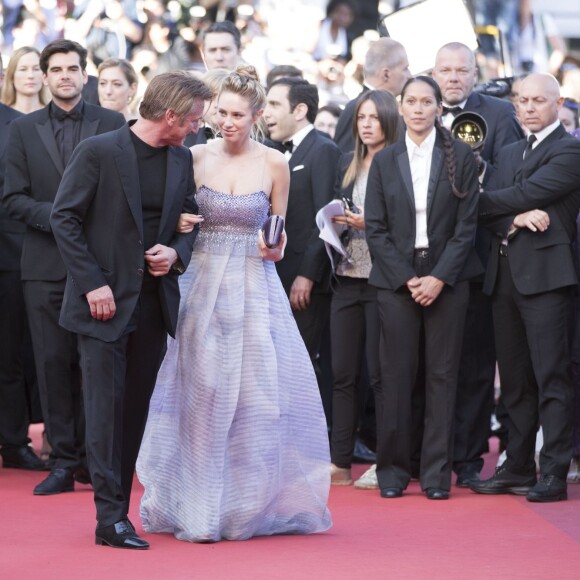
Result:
[
  {"x": 354, "y": 323},
  {"x": 421, "y": 214}
]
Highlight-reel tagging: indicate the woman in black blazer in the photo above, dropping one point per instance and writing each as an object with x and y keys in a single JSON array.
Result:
[
  {"x": 421, "y": 214},
  {"x": 354, "y": 323}
]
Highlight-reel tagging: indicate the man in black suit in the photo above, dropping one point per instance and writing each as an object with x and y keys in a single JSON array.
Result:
[
  {"x": 531, "y": 209},
  {"x": 386, "y": 68},
  {"x": 14, "y": 418},
  {"x": 39, "y": 147},
  {"x": 290, "y": 111},
  {"x": 455, "y": 72},
  {"x": 114, "y": 219}
]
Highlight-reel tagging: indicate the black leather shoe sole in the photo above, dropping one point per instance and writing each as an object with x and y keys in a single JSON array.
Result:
[
  {"x": 131, "y": 543},
  {"x": 391, "y": 492},
  {"x": 541, "y": 498},
  {"x": 513, "y": 489},
  {"x": 54, "y": 491},
  {"x": 27, "y": 466}
]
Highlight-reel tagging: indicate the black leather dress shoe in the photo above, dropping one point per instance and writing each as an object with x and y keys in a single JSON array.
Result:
[
  {"x": 549, "y": 488},
  {"x": 120, "y": 535},
  {"x": 22, "y": 458},
  {"x": 59, "y": 481},
  {"x": 436, "y": 493},
  {"x": 362, "y": 454},
  {"x": 504, "y": 481},
  {"x": 465, "y": 477},
  {"x": 390, "y": 492},
  {"x": 82, "y": 475}
]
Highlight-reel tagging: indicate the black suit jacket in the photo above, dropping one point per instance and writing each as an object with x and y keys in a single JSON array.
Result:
[
  {"x": 549, "y": 179},
  {"x": 502, "y": 124},
  {"x": 390, "y": 217},
  {"x": 33, "y": 173},
  {"x": 97, "y": 221},
  {"x": 11, "y": 231},
  {"x": 313, "y": 169}
]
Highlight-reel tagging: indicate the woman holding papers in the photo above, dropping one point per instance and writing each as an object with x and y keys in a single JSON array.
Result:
[{"x": 354, "y": 320}]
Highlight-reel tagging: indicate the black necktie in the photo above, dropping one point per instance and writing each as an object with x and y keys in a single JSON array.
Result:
[
  {"x": 453, "y": 110},
  {"x": 531, "y": 140},
  {"x": 288, "y": 146}
]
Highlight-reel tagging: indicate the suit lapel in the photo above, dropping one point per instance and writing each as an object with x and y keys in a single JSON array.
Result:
[
  {"x": 299, "y": 155},
  {"x": 46, "y": 135},
  {"x": 405, "y": 169},
  {"x": 126, "y": 161},
  {"x": 436, "y": 165},
  {"x": 173, "y": 175},
  {"x": 89, "y": 125}
]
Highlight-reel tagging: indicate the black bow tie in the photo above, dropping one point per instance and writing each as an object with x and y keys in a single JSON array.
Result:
[
  {"x": 209, "y": 134},
  {"x": 453, "y": 110},
  {"x": 62, "y": 115},
  {"x": 288, "y": 146}
]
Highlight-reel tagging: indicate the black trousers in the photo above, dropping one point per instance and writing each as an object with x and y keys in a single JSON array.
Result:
[
  {"x": 354, "y": 333},
  {"x": 402, "y": 321},
  {"x": 532, "y": 336},
  {"x": 58, "y": 373},
  {"x": 475, "y": 387},
  {"x": 311, "y": 324},
  {"x": 14, "y": 416},
  {"x": 119, "y": 378}
]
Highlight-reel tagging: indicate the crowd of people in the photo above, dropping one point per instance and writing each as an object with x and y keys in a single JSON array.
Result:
[{"x": 454, "y": 259}]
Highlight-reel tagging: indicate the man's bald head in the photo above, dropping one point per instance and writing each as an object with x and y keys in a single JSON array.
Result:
[
  {"x": 387, "y": 66},
  {"x": 539, "y": 101}
]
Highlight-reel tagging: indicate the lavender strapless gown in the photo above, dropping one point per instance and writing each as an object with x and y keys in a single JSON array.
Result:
[{"x": 236, "y": 442}]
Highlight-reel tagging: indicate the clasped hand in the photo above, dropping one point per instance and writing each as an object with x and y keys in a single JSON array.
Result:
[
  {"x": 425, "y": 290},
  {"x": 187, "y": 221}
]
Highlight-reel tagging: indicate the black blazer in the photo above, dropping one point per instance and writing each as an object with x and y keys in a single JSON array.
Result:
[
  {"x": 33, "y": 173},
  {"x": 11, "y": 231},
  {"x": 97, "y": 221},
  {"x": 549, "y": 179},
  {"x": 502, "y": 124},
  {"x": 313, "y": 169},
  {"x": 451, "y": 221}
]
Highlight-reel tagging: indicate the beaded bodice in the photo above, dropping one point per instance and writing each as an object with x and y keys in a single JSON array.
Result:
[{"x": 231, "y": 222}]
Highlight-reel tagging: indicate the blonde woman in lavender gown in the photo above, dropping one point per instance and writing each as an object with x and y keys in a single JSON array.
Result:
[{"x": 236, "y": 443}]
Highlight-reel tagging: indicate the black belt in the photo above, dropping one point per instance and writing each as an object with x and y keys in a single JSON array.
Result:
[
  {"x": 421, "y": 253},
  {"x": 503, "y": 250}
]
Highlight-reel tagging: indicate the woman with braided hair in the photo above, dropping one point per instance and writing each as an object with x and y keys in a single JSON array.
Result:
[{"x": 421, "y": 214}]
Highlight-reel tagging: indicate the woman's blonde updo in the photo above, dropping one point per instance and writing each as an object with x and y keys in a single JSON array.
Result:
[{"x": 244, "y": 81}]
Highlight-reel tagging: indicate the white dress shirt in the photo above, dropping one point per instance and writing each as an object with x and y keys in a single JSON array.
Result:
[
  {"x": 420, "y": 161},
  {"x": 447, "y": 120},
  {"x": 297, "y": 138}
]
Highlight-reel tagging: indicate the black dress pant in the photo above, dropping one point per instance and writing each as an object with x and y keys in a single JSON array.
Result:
[
  {"x": 14, "y": 416},
  {"x": 402, "y": 321},
  {"x": 58, "y": 373},
  {"x": 311, "y": 323},
  {"x": 532, "y": 336},
  {"x": 355, "y": 331},
  {"x": 119, "y": 378},
  {"x": 475, "y": 387}
]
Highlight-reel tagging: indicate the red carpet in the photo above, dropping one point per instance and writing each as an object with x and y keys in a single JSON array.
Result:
[{"x": 468, "y": 537}]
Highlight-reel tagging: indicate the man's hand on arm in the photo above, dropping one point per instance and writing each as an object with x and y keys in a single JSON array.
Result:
[
  {"x": 535, "y": 220},
  {"x": 159, "y": 259},
  {"x": 101, "y": 303}
]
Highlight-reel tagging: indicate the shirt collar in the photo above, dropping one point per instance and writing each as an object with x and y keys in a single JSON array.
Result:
[
  {"x": 426, "y": 146},
  {"x": 541, "y": 135},
  {"x": 460, "y": 105},
  {"x": 299, "y": 136}
]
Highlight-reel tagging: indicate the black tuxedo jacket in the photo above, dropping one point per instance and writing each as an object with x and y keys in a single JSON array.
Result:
[
  {"x": 549, "y": 179},
  {"x": 313, "y": 169},
  {"x": 11, "y": 231},
  {"x": 33, "y": 173},
  {"x": 390, "y": 217},
  {"x": 97, "y": 221},
  {"x": 502, "y": 124}
]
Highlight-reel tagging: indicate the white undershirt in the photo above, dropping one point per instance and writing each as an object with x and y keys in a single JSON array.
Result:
[{"x": 420, "y": 161}]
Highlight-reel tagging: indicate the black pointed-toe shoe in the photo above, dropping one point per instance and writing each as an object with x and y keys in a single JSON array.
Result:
[
  {"x": 22, "y": 458},
  {"x": 503, "y": 481},
  {"x": 391, "y": 492},
  {"x": 58, "y": 481},
  {"x": 120, "y": 535},
  {"x": 466, "y": 476},
  {"x": 549, "y": 488},
  {"x": 436, "y": 493}
]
